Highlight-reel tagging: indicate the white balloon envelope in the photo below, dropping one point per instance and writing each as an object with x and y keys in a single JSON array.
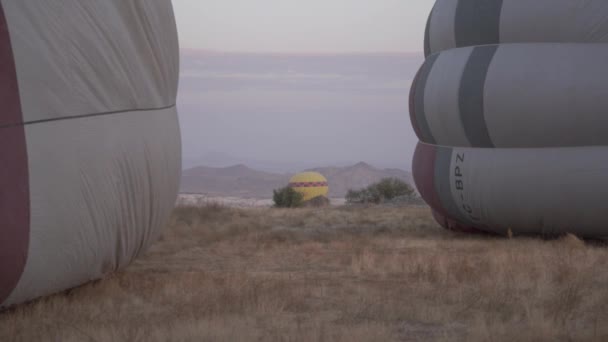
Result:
[
  {"x": 511, "y": 110},
  {"x": 90, "y": 149}
]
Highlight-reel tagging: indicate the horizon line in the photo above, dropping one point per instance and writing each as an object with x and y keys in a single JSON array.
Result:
[
  {"x": 299, "y": 54},
  {"x": 329, "y": 165}
]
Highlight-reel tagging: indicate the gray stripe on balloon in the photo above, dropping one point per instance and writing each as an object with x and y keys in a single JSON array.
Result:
[
  {"x": 477, "y": 22},
  {"x": 443, "y": 171},
  {"x": 471, "y": 93},
  {"x": 419, "y": 111}
]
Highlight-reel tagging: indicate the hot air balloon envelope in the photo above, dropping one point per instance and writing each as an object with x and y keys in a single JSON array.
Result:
[
  {"x": 310, "y": 185},
  {"x": 510, "y": 107},
  {"x": 89, "y": 138}
]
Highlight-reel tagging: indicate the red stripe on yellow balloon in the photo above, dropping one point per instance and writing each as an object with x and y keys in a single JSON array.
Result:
[{"x": 310, "y": 185}]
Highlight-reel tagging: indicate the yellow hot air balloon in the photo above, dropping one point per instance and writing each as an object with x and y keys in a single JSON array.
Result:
[{"x": 310, "y": 185}]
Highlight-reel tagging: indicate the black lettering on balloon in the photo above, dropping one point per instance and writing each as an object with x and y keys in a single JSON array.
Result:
[
  {"x": 457, "y": 172},
  {"x": 459, "y": 185}
]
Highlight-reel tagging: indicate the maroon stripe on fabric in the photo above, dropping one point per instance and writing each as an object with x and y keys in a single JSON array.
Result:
[
  {"x": 424, "y": 175},
  {"x": 14, "y": 174},
  {"x": 455, "y": 226},
  {"x": 9, "y": 88}
]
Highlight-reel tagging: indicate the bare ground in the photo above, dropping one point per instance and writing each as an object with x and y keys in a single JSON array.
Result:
[{"x": 337, "y": 274}]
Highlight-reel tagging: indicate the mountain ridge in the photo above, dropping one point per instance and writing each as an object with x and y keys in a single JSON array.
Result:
[{"x": 239, "y": 180}]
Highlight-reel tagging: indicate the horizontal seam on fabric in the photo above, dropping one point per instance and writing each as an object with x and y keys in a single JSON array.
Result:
[{"x": 86, "y": 116}]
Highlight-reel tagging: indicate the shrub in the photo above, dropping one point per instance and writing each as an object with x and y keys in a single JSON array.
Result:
[
  {"x": 317, "y": 202},
  {"x": 287, "y": 197},
  {"x": 385, "y": 190}
]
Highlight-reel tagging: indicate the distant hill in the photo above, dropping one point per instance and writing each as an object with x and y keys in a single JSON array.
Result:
[
  {"x": 360, "y": 175},
  {"x": 242, "y": 181},
  {"x": 237, "y": 181}
]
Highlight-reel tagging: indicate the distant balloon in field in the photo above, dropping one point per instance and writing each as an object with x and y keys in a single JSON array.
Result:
[
  {"x": 310, "y": 185},
  {"x": 89, "y": 140},
  {"x": 513, "y": 136}
]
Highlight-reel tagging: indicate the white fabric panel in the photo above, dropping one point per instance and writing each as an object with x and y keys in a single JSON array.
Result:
[
  {"x": 101, "y": 189},
  {"x": 535, "y": 95},
  {"x": 441, "y": 27},
  {"x": 547, "y": 95},
  {"x": 522, "y": 21},
  {"x": 550, "y": 190},
  {"x": 76, "y": 57},
  {"x": 570, "y": 21},
  {"x": 441, "y": 98}
]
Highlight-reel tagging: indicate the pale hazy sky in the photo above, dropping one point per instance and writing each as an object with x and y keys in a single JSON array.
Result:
[
  {"x": 332, "y": 105},
  {"x": 325, "y": 26}
]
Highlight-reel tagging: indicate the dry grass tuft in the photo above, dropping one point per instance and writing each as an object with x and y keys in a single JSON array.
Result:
[
  {"x": 572, "y": 241},
  {"x": 335, "y": 274}
]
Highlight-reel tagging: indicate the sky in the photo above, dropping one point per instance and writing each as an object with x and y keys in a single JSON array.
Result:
[
  {"x": 305, "y": 26},
  {"x": 284, "y": 85}
]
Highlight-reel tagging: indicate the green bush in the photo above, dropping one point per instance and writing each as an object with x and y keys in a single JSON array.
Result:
[
  {"x": 385, "y": 190},
  {"x": 287, "y": 197}
]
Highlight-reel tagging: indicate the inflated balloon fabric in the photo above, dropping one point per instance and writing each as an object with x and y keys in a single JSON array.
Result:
[
  {"x": 511, "y": 109},
  {"x": 90, "y": 149},
  {"x": 310, "y": 185}
]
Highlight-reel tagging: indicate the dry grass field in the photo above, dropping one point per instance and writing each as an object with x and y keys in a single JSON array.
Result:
[{"x": 337, "y": 274}]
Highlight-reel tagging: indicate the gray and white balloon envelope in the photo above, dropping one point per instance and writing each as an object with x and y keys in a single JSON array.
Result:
[
  {"x": 511, "y": 109},
  {"x": 89, "y": 140}
]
